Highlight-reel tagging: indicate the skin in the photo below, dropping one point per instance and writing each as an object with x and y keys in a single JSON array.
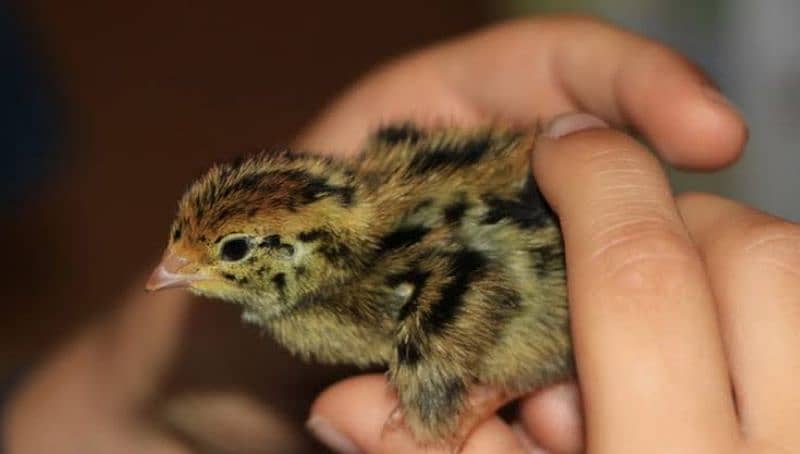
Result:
[{"x": 641, "y": 284}]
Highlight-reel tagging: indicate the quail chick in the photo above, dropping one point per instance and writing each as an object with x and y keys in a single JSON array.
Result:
[{"x": 431, "y": 252}]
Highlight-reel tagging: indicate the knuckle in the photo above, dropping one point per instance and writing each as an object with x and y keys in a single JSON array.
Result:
[
  {"x": 766, "y": 241},
  {"x": 601, "y": 150},
  {"x": 645, "y": 256}
]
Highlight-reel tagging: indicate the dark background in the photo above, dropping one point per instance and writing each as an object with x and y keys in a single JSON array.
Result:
[
  {"x": 109, "y": 109},
  {"x": 139, "y": 98}
]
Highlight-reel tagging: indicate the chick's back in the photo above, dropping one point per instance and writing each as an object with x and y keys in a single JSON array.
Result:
[{"x": 472, "y": 190}]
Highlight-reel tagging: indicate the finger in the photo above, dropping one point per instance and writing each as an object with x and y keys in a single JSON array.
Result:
[
  {"x": 647, "y": 346},
  {"x": 349, "y": 417},
  {"x": 753, "y": 260},
  {"x": 553, "y": 417},
  {"x": 533, "y": 69},
  {"x": 561, "y": 64}
]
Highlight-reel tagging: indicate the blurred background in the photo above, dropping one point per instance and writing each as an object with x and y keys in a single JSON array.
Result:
[{"x": 109, "y": 109}]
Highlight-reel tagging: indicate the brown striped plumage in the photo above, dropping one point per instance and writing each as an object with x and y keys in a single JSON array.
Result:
[{"x": 431, "y": 252}]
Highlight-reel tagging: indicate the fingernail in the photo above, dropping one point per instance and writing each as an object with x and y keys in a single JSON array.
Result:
[
  {"x": 569, "y": 123},
  {"x": 331, "y": 437}
]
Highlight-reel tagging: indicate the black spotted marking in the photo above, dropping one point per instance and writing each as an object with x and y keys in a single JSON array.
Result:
[
  {"x": 333, "y": 250},
  {"x": 345, "y": 194},
  {"x": 402, "y": 237},
  {"x": 280, "y": 281},
  {"x": 395, "y": 134},
  {"x": 316, "y": 188},
  {"x": 531, "y": 195},
  {"x": 454, "y": 212},
  {"x": 513, "y": 210},
  {"x": 528, "y": 210},
  {"x": 408, "y": 353},
  {"x": 337, "y": 253},
  {"x": 466, "y": 266},
  {"x": 274, "y": 242},
  {"x": 300, "y": 270},
  {"x": 310, "y": 236},
  {"x": 270, "y": 241},
  {"x": 177, "y": 232},
  {"x": 233, "y": 278},
  {"x": 453, "y": 155},
  {"x": 523, "y": 214}
]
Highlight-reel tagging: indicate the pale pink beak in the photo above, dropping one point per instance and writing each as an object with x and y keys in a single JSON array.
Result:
[{"x": 167, "y": 274}]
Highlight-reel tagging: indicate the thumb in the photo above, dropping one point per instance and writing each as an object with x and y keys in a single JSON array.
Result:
[{"x": 349, "y": 417}]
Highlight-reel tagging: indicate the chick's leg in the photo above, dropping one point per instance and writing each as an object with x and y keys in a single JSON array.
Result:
[
  {"x": 440, "y": 346},
  {"x": 432, "y": 402},
  {"x": 442, "y": 411}
]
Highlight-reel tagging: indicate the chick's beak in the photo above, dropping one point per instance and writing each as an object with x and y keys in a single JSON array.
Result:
[{"x": 168, "y": 273}]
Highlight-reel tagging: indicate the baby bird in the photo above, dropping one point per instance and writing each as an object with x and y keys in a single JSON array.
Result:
[{"x": 431, "y": 252}]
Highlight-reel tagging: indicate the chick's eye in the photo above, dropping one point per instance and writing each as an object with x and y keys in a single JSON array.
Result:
[{"x": 234, "y": 249}]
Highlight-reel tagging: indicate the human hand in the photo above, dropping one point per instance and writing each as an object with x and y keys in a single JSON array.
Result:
[
  {"x": 690, "y": 118},
  {"x": 677, "y": 305},
  {"x": 525, "y": 71},
  {"x": 532, "y": 70}
]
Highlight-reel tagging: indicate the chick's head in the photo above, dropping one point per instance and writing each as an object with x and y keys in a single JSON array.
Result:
[{"x": 234, "y": 236}]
